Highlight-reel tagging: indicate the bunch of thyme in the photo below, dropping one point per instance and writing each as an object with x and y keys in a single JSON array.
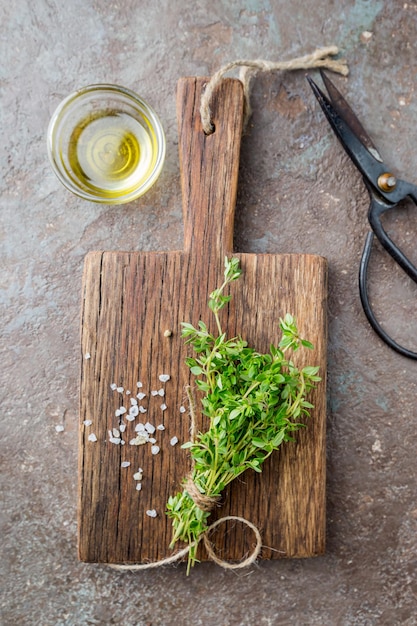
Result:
[{"x": 253, "y": 402}]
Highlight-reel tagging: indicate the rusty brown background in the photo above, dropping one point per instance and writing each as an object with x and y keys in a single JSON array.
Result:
[{"x": 298, "y": 193}]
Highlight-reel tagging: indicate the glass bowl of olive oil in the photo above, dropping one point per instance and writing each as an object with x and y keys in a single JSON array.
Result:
[{"x": 106, "y": 144}]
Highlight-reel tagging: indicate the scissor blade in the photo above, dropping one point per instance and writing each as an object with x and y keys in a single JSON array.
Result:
[
  {"x": 367, "y": 163},
  {"x": 345, "y": 111}
]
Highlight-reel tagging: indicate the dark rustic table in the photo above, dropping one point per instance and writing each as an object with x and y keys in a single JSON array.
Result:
[{"x": 298, "y": 192}]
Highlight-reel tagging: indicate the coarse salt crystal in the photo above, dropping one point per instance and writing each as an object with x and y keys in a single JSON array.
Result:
[
  {"x": 140, "y": 427},
  {"x": 142, "y": 409},
  {"x": 125, "y": 464},
  {"x": 164, "y": 378},
  {"x": 151, "y": 513},
  {"x": 138, "y": 486},
  {"x": 122, "y": 410},
  {"x": 130, "y": 417},
  {"x": 154, "y": 392},
  {"x": 161, "y": 392},
  {"x": 134, "y": 410},
  {"x": 116, "y": 432},
  {"x": 174, "y": 441},
  {"x": 87, "y": 422},
  {"x": 115, "y": 440},
  {"x": 122, "y": 428},
  {"x": 92, "y": 437},
  {"x": 117, "y": 413},
  {"x": 160, "y": 427},
  {"x": 139, "y": 440},
  {"x": 133, "y": 401},
  {"x": 138, "y": 476},
  {"x": 113, "y": 386},
  {"x": 141, "y": 395},
  {"x": 139, "y": 384},
  {"x": 152, "y": 440},
  {"x": 150, "y": 428},
  {"x": 87, "y": 355},
  {"x": 182, "y": 409},
  {"x": 120, "y": 389},
  {"x": 155, "y": 449},
  {"x": 128, "y": 392},
  {"x": 163, "y": 407},
  {"x": 59, "y": 428}
]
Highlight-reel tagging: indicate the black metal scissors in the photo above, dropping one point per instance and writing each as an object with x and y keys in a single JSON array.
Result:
[{"x": 385, "y": 190}]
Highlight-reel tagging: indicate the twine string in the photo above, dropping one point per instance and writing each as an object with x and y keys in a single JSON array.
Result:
[{"x": 319, "y": 58}]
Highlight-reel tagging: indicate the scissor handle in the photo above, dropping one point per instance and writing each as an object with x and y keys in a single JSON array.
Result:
[
  {"x": 377, "y": 207},
  {"x": 363, "y": 291}
]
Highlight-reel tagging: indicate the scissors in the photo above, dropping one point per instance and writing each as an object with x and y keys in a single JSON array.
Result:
[{"x": 385, "y": 190}]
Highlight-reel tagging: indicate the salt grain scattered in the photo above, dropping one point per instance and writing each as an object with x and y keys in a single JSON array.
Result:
[
  {"x": 163, "y": 407},
  {"x": 87, "y": 422},
  {"x": 59, "y": 428},
  {"x": 142, "y": 409},
  {"x": 115, "y": 440},
  {"x": 182, "y": 409},
  {"x": 120, "y": 389},
  {"x": 174, "y": 441},
  {"x": 140, "y": 427},
  {"x": 133, "y": 401},
  {"x": 122, "y": 428},
  {"x": 92, "y": 437},
  {"x": 161, "y": 392},
  {"x": 164, "y": 378},
  {"x": 150, "y": 428},
  {"x": 113, "y": 386},
  {"x": 125, "y": 464},
  {"x": 154, "y": 392},
  {"x": 87, "y": 355},
  {"x": 128, "y": 392},
  {"x": 151, "y": 513},
  {"x": 152, "y": 440},
  {"x": 139, "y": 440},
  {"x": 155, "y": 449},
  {"x": 138, "y": 486},
  {"x": 141, "y": 395},
  {"x": 139, "y": 384},
  {"x": 130, "y": 417},
  {"x": 117, "y": 413},
  {"x": 138, "y": 476},
  {"x": 122, "y": 410},
  {"x": 160, "y": 427},
  {"x": 116, "y": 433},
  {"x": 134, "y": 410}
]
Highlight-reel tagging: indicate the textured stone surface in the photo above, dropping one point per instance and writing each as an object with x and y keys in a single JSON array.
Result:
[{"x": 298, "y": 193}]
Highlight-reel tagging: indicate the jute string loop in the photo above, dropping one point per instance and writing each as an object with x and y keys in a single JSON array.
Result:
[{"x": 319, "y": 58}]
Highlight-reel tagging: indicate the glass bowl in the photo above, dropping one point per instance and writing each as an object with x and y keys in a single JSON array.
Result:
[{"x": 106, "y": 144}]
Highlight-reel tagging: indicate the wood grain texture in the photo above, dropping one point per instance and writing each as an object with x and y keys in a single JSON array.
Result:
[{"x": 129, "y": 300}]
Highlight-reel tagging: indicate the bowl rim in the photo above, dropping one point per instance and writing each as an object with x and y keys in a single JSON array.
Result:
[{"x": 143, "y": 108}]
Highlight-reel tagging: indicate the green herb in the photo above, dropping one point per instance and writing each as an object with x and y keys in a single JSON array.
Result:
[{"x": 253, "y": 402}]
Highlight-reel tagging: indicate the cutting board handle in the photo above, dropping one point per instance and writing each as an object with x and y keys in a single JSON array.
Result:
[{"x": 209, "y": 166}]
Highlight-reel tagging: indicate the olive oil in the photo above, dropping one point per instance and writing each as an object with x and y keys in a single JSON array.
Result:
[{"x": 111, "y": 153}]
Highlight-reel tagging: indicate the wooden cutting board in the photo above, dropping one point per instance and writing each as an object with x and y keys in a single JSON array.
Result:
[{"x": 131, "y": 302}]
